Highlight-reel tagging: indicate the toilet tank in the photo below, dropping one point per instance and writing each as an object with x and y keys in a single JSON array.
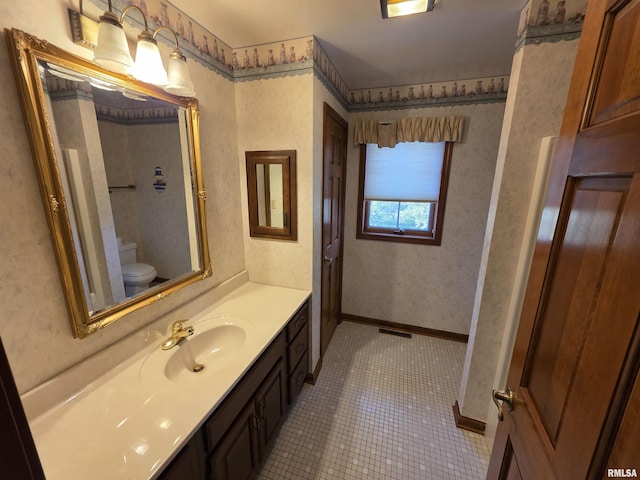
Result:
[{"x": 127, "y": 253}]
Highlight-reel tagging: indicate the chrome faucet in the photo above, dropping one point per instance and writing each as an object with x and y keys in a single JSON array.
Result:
[{"x": 179, "y": 331}]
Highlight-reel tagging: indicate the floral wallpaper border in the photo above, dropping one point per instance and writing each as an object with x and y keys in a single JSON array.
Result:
[{"x": 297, "y": 57}]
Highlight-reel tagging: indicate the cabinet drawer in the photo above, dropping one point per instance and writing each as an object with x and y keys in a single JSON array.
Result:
[
  {"x": 297, "y": 348},
  {"x": 299, "y": 320},
  {"x": 296, "y": 379}
]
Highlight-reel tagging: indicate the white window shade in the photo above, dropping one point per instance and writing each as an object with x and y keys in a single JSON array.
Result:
[{"x": 409, "y": 172}]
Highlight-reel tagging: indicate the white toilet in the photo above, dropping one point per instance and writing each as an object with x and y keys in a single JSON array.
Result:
[{"x": 136, "y": 276}]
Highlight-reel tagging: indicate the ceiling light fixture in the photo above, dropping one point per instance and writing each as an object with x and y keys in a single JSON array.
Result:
[{"x": 399, "y": 8}]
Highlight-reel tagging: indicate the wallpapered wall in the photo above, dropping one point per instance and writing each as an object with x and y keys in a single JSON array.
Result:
[
  {"x": 28, "y": 268},
  {"x": 158, "y": 226},
  {"x": 540, "y": 80},
  {"x": 34, "y": 324},
  {"x": 423, "y": 285},
  {"x": 271, "y": 120}
]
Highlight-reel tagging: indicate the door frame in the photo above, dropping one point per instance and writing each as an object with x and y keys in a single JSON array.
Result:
[{"x": 329, "y": 112}]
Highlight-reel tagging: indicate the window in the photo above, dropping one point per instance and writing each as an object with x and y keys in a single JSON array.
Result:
[{"x": 402, "y": 192}]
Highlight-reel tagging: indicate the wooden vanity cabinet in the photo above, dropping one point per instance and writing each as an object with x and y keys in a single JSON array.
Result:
[
  {"x": 237, "y": 437},
  {"x": 297, "y": 348},
  {"x": 188, "y": 464},
  {"x": 241, "y": 429},
  {"x": 238, "y": 454}
]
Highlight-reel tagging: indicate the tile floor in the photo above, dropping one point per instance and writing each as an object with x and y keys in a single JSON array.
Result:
[{"x": 381, "y": 409}]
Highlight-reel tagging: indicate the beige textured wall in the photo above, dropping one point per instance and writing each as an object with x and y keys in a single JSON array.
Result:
[
  {"x": 34, "y": 326},
  {"x": 423, "y": 285},
  {"x": 164, "y": 241},
  {"x": 277, "y": 114},
  {"x": 535, "y": 105}
]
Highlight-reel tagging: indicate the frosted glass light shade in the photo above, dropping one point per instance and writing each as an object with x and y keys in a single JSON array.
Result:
[
  {"x": 179, "y": 79},
  {"x": 112, "y": 50},
  {"x": 148, "y": 65}
]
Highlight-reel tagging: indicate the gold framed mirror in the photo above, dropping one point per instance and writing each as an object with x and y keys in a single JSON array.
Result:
[
  {"x": 271, "y": 192},
  {"x": 119, "y": 169}
]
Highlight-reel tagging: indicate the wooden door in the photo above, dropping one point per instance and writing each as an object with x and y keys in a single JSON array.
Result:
[
  {"x": 334, "y": 168},
  {"x": 576, "y": 359}
]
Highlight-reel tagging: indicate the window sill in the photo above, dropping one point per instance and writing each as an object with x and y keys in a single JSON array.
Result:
[{"x": 400, "y": 238}]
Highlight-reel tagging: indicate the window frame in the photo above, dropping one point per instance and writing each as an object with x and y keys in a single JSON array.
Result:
[{"x": 433, "y": 237}]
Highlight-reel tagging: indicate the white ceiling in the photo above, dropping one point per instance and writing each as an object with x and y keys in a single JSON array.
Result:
[{"x": 459, "y": 39}]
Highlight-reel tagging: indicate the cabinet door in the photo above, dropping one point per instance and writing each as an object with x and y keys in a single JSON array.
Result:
[
  {"x": 236, "y": 456},
  {"x": 271, "y": 404},
  {"x": 188, "y": 464},
  {"x": 18, "y": 455}
]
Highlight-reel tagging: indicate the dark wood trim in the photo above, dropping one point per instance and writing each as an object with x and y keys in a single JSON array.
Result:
[
  {"x": 467, "y": 423},
  {"x": 18, "y": 454},
  {"x": 330, "y": 115},
  {"x": 429, "y": 332},
  {"x": 286, "y": 158},
  {"x": 312, "y": 378}
]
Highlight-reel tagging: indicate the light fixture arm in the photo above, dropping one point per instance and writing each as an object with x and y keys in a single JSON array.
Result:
[
  {"x": 177, "y": 53},
  {"x": 109, "y": 16},
  {"x": 175, "y": 35},
  {"x": 129, "y": 8}
]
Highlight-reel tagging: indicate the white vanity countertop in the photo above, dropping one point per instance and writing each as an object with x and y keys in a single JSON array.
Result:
[{"x": 129, "y": 425}]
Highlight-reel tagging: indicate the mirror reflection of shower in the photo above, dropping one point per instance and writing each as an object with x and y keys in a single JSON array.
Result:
[{"x": 129, "y": 234}]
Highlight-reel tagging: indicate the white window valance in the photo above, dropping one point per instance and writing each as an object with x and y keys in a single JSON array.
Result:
[{"x": 416, "y": 129}]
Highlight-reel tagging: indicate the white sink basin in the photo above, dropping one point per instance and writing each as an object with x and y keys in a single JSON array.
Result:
[{"x": 216, "y": 342}]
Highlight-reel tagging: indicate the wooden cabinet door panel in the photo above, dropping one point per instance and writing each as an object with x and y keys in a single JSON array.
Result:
[
  {"x": 188, "y": 464},
  {"x": 271, "y": 405},
  {"x": 236, "y": 456}
]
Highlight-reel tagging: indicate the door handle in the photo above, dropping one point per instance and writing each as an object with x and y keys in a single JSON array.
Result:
[
  {"x": 328, "y": 259},
  {"x": 508, "y": 397},
  {"x": 262, "y": 410}
]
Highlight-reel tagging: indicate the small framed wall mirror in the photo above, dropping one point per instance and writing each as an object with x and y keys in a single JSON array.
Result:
[
  {"x": 118, "y": 163},
  {"x": 271, "y": 190}
]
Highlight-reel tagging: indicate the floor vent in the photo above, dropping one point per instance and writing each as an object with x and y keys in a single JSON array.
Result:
[{"x": 394, "y": 332}]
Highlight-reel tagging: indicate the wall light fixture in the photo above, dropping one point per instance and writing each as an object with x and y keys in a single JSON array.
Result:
[{"x": 111, "y": 50}]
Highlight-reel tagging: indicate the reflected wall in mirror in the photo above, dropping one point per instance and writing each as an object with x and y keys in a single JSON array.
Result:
[
  {"x": 271, "y": 190},
  {"x": 119, "y": 169}
]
